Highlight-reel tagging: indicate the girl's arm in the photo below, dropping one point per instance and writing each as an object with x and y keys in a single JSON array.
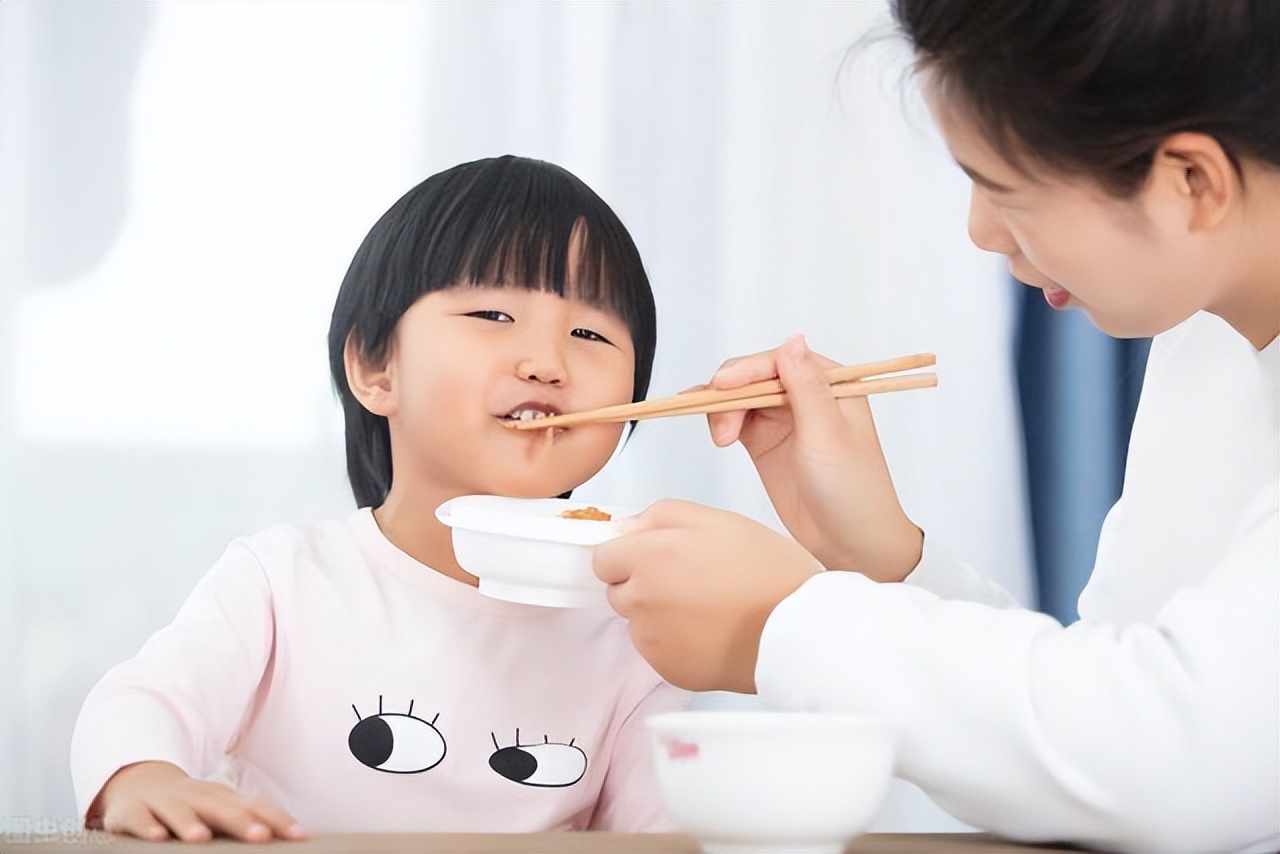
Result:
[
  {"x": 630, "y": 801},
  {"x": 171, "y": 713}
]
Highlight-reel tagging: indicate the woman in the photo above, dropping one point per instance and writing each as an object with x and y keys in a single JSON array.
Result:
[{"x": 1125, "y": 157}]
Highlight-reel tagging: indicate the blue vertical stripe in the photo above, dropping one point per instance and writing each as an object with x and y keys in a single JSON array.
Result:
[{"x": 1079, "y": 389}]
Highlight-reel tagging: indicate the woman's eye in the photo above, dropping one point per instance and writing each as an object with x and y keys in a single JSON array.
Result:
[
  {"x": 589, "y": 335},
  {"x": 494, "y": 315}
]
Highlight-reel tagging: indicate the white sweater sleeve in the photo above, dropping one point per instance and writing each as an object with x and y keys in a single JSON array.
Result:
[
  {"x": 1158, "y": 736},
  {"x": 941, "y": 574},
  {"x": 184, "y": 696}
]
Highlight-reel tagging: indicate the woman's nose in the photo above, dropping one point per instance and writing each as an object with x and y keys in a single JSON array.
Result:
[{"x": 986, "y": 227}]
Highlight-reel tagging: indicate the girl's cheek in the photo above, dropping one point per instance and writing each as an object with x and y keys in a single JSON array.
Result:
[{"x": 446, "y": 396}]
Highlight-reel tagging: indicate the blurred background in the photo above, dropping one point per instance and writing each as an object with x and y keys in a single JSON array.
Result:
[{"x": 183, "y": 186}]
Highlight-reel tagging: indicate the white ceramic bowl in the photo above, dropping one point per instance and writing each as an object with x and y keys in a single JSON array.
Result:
[
  {"x": 775, "y": 782},
  {"x": 522, "y": 550}
]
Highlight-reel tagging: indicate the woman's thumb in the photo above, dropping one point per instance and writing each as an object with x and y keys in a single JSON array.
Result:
[{"x": 817, "y": 415}]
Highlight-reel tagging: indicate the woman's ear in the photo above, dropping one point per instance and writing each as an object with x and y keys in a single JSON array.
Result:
[
  {"x": 372, "y": 385},
  {"x": 1200, "y": 173}
]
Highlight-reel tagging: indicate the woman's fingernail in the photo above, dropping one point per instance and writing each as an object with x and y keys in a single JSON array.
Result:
[
  {"x": 630, "y": 524},
  {"x": 796, "y": 345}
]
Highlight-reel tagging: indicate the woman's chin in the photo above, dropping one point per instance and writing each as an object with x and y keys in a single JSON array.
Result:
[{"x": 1117, "y": 328}]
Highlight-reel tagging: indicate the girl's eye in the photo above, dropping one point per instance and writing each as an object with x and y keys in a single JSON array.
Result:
[
  {"x": 494, "y": 315},
  {"x": 589, "y": 335}
]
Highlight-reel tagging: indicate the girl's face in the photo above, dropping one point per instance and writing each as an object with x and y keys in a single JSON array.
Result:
[
  {"x": 466, "y": 360},
  {"x": 1127, "y": 263}
]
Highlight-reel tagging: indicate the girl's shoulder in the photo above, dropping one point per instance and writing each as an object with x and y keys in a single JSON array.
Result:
[{"x": 314, "y": 542}]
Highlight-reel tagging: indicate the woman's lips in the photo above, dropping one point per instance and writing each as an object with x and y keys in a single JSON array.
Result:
[{"x": 1056, "y": 296}]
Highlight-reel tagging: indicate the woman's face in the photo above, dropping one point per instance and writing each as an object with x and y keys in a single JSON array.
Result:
[
  {"x": 466, "y": 360},
  {"x": 1129, "y": 264}
]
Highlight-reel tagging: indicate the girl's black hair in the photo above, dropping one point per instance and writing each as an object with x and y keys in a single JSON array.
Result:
[
  {"x": 505, "y": 221},
  {"x": 1094, "y": 86}
]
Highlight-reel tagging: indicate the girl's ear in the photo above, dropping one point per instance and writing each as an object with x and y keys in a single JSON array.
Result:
[
  {"x": 1201, "y": 174},
  {"x": 371, "y": 385}
]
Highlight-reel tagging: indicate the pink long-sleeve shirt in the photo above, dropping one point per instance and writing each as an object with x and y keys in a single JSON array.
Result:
[{"x": 320, "y": 668}]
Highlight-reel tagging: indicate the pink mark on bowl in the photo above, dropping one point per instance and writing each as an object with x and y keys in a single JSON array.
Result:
[{"x": 677, "y": 749}]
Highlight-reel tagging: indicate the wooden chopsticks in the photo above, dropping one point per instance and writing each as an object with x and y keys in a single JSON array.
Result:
[{"x": 845, "y": 381}]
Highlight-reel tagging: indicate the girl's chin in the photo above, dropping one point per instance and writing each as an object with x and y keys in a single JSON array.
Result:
[
  {"x": 519, "y": 490},
  {"x": 544, "y": 487}
]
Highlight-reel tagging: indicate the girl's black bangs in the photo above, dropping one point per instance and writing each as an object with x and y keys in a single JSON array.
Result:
[
  {"x": 568, "y": 258},
  {"x": 516, "y": 223}
]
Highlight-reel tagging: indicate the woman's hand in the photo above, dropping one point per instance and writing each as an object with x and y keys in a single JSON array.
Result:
[
  {"x": 696, "y": 585},
  {"x": 153, "y": 800},
  {"x": 821, "y": 464}
]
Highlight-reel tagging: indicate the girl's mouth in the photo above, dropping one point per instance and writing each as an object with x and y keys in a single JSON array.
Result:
[
  {"x": 530, "y": 411},
  {"x": 533, "y": 411},
  {"x": 524, "y": 415}
]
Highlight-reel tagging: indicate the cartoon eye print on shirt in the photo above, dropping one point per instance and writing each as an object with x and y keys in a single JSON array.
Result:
[
  {"x": 549, "y": 764},
  {"x": 396, "y": 742}
]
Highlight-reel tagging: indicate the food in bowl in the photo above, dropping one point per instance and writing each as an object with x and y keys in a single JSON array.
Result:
[
  {"x": 593, "y": 513},
  {"x": 525, "y": 550}
]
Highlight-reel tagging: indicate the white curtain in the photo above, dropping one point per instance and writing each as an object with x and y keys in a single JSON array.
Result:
[{"x": 184, "y": 184}]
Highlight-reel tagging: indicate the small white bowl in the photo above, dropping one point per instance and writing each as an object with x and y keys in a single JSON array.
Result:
[
  {"x": 523, "y": 550},
  {"x": 776, "y": 782}
]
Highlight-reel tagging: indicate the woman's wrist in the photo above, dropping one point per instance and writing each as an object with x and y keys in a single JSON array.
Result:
[
  {"x": 908, "y": 554},
  {"x": 888, "y": 557}
]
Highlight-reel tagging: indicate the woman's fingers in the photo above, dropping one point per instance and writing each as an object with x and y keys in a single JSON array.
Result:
[
  {"x": 607, "y": 558},
  {"x": 696, "y": 585},
  {"x": 725, "y": 427},
  {"x": 741, "y": 370},
  {"x": 818, "y": 417},
  {"x": 803, "y": 374}
]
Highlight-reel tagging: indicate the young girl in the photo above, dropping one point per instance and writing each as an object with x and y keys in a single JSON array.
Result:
[
  {"x": 1125, "y": 157},
  {"x": 347, "y": 675}
]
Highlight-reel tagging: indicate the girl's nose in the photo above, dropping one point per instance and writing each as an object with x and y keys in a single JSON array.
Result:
[
  {"x": 543, "y": 369},
  {"x": 986, "y": 227}
]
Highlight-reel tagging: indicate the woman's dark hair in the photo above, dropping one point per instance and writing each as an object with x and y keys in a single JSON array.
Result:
[
  {"x": 505, "y": 221},
  {"x": 1094, "y": 86}
]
